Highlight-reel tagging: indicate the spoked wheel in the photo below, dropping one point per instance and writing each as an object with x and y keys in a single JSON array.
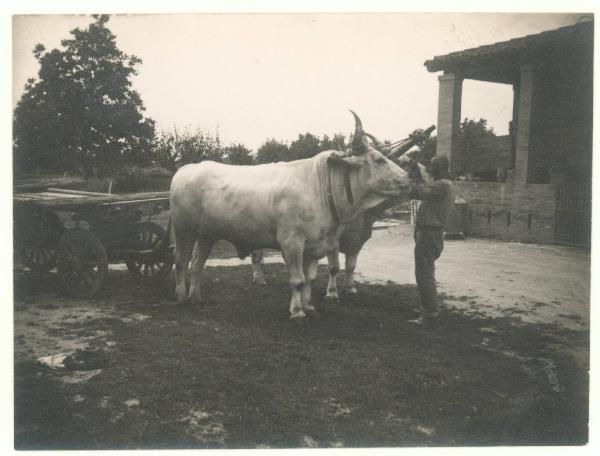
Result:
[
  {"x": 37, "y": 233},
  {"x": 39, "y": 259},
  {"x": 154, "y": 263},
  {"x": 82, "y": 263}
]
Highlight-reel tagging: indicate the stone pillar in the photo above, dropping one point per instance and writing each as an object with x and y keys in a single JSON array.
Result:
[
  {"x": 449, "y": 104},
  {"x": 524, "y": 116}
]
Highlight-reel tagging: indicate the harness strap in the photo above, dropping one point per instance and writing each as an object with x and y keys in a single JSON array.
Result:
[
  {"x": 348, "y": 187},
  {"x": 331, "y": 199}
]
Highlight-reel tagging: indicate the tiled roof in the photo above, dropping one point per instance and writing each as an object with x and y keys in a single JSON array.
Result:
[{"x": 516, "y": 46}]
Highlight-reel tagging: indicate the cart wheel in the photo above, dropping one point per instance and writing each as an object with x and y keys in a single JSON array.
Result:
[
  {"x": 39, "y": 259},
  {"x": 151, "y": 270},
  {"x": 81, "y": 262},
  {"x": 38, "y": 234}
]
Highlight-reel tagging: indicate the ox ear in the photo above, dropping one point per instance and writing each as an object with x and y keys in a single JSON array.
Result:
[{"x": 342, "y": 159}]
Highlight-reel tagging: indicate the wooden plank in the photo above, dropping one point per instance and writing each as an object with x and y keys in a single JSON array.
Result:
[
  {"x": 44, "y": 196},
  {"x": 76, "y": 192},
  {"x": 74, "y": 202},
  {"x": 20, "y": 185},
  {"x": 138, "y": 201}
]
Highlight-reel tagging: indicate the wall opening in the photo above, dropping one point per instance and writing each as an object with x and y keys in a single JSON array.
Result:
[{"x": 484, "y": 149}]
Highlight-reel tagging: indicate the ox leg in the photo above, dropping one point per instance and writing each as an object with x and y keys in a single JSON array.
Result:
[
  {"x": 350, "y": 265},
  {"x": 334, "y": 268},
  {"x": 310, "y": 274},
  {"x": 292, "y": 255},
  {"x": 183, "y": 253},
  {"x": 201, "y": 252},
  {"x": 258, "y": 274}
]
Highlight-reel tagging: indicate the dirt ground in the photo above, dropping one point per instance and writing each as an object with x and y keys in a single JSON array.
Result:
[
  {"x": 537, "y": 283},
  {"x": 507, "y": 365}
]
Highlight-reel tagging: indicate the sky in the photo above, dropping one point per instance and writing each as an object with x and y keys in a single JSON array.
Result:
[{"x": 257, "y": 76}]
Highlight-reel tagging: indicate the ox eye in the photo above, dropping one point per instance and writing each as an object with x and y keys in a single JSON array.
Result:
[{"x": 380, "y": 160}]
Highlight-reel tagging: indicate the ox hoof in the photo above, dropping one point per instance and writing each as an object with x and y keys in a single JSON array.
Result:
[
  {"x": 351, "y": 291},
  {"x": 332, "y": 295},
  {"x": 298, "y": 316},
  {"x": 259, "y": 281},
  {"x": 310, "y": 310}
]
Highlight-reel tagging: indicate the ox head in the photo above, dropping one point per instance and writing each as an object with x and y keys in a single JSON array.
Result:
[{"x": 373, "y": 173}]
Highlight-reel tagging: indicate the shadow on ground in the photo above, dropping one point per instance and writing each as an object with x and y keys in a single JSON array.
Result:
[{"x": 235, "y": 373}]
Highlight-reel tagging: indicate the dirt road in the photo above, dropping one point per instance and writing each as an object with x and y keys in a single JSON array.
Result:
[{"x": 535, "y": 283}]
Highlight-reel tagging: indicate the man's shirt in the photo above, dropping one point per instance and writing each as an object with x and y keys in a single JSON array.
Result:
[{"x": 437, "y": 202}]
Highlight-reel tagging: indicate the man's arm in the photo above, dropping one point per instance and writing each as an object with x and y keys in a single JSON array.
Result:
[{"x": 433, "y": 192}]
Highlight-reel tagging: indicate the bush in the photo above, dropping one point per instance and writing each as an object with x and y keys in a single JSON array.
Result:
[{"x": 133, "y": 179}]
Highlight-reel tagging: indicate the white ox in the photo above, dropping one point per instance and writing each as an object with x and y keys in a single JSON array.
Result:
[
  {"x": 356, "y": 232},
  {"x": 297, "y": 207}
]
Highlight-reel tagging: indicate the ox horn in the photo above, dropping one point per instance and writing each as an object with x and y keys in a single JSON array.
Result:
[
  {"x": 358, "y": 145},
  {"x": 381, "y": 147}
]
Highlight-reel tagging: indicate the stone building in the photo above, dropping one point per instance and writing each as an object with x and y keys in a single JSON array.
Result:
[{"x": 544, "y": 195}]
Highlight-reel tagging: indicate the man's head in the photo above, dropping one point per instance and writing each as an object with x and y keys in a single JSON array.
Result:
[{"x": 438, "y": 167}]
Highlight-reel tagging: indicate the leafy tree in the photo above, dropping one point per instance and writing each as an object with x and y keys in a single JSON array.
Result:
[
  {"x": 306, "y": 146},
  {"x": 338, "y": 142},
  {"x": 272, "y": 151},
  {"x": 81, "y": 114},
  {"x": 175, "y": 149},
  {"x": 238, "y": 154},
  {"x": 470, "y": 143},
  {"x": 166, "y": 151}
]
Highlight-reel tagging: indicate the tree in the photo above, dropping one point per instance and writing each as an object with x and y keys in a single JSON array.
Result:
[
  {"x": 272, "y": 151},
  {"x": 470, "y": 143},
  {"x": 306, "y": 146},
  {"x": 81, "y": 113},
  {"x": 238, "y": 154},
  {"x": 175, "y": 149},
  {"x": 338, "y": 142}
]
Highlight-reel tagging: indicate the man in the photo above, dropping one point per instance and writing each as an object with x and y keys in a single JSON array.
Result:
[{"x": 437, "y": 200}]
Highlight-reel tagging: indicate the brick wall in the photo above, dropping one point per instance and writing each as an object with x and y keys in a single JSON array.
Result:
[{"x": 507, "y": 211}]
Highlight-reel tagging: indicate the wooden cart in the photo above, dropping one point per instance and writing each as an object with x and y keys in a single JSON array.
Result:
[{"x": 79, "y": 233}]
